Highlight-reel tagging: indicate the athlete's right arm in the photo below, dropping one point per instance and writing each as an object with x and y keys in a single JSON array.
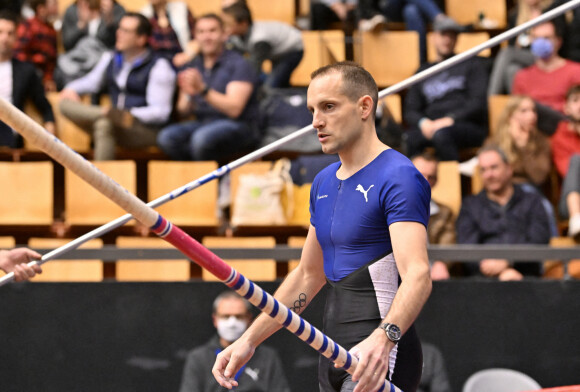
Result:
[{"x": 296, "y": 292}]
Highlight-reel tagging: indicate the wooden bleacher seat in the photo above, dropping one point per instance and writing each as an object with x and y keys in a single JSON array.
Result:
[
  {"x": 555, "y": 269},
  {"x": 320, "y": 48},
  {"x": 393, "y": 102},
  {"x": 7, "y": 242},
  {"x": 253, "y": 269},
  {"x": 301, "y": 203},
  {"x": 495, "y": 106},
  {"x": 448, "y": 188},
  {"x": 129, "y": 5},
  {"x": 68, "y": 270},
  {"x": 281, "y": 10},
  {"x": 150, "y": 270},
  {"x": 27, "y": 194},
  {"x": 295, "y": 242},
  {"x": 390, "y": 56},
  {"x": 86, "y": 206},
  {"x": 465, "y": 41},
  {"x": 201, "y": 7},
  {"x": 196, "y": 208},
  {"x": 467, "y": 12}
]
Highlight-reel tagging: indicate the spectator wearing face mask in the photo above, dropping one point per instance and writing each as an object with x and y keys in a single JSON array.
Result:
[
  {"x": 549, "y": 79},
  {"x": 231, "y": 317}
]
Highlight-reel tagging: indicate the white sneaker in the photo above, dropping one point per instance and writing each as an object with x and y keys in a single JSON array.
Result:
[
  {"x": 574, "y": 227},
  {"x": 376, "y": 24}
]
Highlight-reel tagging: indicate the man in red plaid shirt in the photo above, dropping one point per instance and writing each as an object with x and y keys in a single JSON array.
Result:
[{"x": 37, "y": 40}]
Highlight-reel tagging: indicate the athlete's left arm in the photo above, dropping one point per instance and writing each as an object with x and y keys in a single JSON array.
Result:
[{"x": 409, "y": 240}]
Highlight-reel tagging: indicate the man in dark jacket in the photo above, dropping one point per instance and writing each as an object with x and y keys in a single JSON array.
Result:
[
  {"x": 502, "y": 213},
  {"x": 19, "y": 82},
  {"x": 448, "y": 110},
  {"x": 231, "y": 316}
]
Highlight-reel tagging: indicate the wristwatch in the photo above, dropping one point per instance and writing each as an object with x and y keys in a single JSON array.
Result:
[
  {"x": 393, "y": 332},
  {"x": 205, "y": 91}
]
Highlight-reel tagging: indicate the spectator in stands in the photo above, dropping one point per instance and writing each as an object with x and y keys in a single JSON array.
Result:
[
  {"x": 218, "y": 87},
  {"x": 37, "y": 40},
  {"x": 19, "y": 82},
  {"x": 16, "y": 260},
  {"x": 548, "y": 80},
  {"x": 448, "y": 110},
  {"x": 502, "y": 213},
  {"x": 517, "y": 54},
  {"x": 527, "y": 149},
  {"x": 173, "y": 30},
  {"x": 434, "y": 377},
  {"x": 566, "y": 152},
  {"x": 231, "y": 316},
  {"x": 88, "y": 30},
  {"x": 325, "y": 13},
  {"x": 265, "y": 40},
  {"x": 415, "y": 13},
  {"x": 141, "y": 87},
  {"x": 441, "y": 227}
]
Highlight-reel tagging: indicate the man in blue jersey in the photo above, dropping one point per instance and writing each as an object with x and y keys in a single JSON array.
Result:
[{"x": 367, "y": 240}]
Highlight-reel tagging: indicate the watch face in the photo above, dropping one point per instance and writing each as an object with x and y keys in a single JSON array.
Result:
[{"x": 393, "y": 332}]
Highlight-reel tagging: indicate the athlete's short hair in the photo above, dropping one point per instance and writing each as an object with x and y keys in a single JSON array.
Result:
[{"x": 356, "y": 81}]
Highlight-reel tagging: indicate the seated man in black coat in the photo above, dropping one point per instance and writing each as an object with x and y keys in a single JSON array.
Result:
[{"x": 502, "y": 213}]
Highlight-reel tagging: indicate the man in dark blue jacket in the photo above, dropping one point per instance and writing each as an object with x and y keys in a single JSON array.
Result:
[
  {"x": 141, "y": 87},
  {"x": 502, "y": 213}
]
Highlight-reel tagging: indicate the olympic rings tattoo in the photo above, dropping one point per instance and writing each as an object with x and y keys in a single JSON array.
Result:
[{"x": 299, "y": 303}]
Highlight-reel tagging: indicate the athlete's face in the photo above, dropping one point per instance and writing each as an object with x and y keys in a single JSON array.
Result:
[{"x": 334, "y": 116}]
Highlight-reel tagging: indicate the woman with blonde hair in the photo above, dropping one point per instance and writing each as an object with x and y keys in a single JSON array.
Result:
[{"x": 527, "y": 149}]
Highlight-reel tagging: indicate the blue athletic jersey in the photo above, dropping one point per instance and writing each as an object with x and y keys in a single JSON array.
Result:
[{"x": 352, "y": 216}]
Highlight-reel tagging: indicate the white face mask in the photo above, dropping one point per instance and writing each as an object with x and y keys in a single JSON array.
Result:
[{"x": 231, "y": 329}]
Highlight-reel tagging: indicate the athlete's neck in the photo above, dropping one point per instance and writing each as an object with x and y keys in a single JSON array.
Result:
[{"x": 359, "y": 155}]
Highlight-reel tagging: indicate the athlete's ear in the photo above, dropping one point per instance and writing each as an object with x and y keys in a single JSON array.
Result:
[{"x": 365, "y": 106}]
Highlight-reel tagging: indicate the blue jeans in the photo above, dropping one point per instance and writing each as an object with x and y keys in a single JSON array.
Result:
[
  {"x": 416, "y": 14},
  {"x": 202, "y": 141}
]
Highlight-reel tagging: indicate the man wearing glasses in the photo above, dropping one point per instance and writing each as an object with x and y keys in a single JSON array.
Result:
[{"x": 140, "y": 84}]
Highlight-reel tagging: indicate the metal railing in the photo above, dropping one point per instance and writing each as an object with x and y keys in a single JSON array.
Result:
[{"x": 281, "y": 253}]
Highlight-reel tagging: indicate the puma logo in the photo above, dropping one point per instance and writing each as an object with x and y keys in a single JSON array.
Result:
[
  {"x": 252, "y": 373},
  {"x": 360, "y": 188}
]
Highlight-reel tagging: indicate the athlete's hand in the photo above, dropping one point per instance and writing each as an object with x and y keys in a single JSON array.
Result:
[
  {"x": 230, "y": 361},
  {"x": 373, "y": 355}
]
